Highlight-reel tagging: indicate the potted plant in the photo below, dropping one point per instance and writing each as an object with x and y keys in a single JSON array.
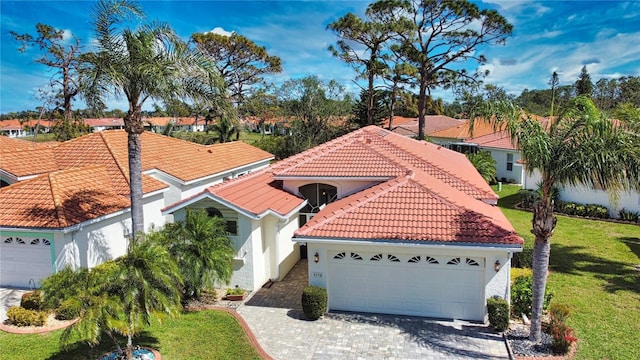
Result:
[{"x": 235, "y": 294}]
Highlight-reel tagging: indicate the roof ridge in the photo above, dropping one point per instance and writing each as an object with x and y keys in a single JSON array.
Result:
[
  {"x": 57, "y": 202},
  {"x": 107, "y": 144}
]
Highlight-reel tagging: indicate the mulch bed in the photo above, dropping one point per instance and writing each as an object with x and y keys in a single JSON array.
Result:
[{"x": 52, "y": 324}]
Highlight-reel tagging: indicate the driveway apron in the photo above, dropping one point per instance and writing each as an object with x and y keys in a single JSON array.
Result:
[{"x": 275, "y": 316}]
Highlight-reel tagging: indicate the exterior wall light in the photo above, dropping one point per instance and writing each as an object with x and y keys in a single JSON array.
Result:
[
  {"x": 316, "y": 257},
  {"x": 496, "y": 266}
]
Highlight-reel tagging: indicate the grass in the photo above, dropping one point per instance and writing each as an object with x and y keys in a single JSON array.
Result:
[
  {"x": 195, "y": 335},
  {"x": 592, "y": 271}
]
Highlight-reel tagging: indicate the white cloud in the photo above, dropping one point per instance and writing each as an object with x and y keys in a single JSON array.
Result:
[
  {"x": 220, "y": 31},
  {"x": 67, "y": 35}
]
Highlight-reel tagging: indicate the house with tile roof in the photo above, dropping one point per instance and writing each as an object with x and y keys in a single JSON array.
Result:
[
  {"x": 67, "y": 204},
  {"x": 389, "y": 225},
  {"x": 507, "y": 157},
  {"x": 19, "y": 128}
]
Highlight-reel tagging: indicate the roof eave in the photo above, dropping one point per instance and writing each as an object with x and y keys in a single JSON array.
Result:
[{"x": 412, "y": 243}]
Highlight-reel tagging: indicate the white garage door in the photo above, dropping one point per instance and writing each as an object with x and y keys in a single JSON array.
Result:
[
  {"x": 449, "y": 287},
  {"x": 22, "y": 259}
]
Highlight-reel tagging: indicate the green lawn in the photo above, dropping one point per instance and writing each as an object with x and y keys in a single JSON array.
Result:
[
  {"x": 196, "y": 335},
  {"x": 592, "y": 270}
]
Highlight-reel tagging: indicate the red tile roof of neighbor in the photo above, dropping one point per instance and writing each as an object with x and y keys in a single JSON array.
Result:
[
  {"x": 424, "y": 192},
  {"x": 463, "y": 131},
  {"x": 60, "y": 199},
  {"x": 432, "y": 124},
  {"x": 497, "y": 140},
  {"x": 180, "y": 159}
]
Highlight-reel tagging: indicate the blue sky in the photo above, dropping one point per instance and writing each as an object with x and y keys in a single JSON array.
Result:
[{"x": 548, "y": 36}]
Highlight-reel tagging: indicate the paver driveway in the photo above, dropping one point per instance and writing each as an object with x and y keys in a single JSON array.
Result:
[
  {"x": 276, "y": 319},
  {"x": 9, "y": 297}
]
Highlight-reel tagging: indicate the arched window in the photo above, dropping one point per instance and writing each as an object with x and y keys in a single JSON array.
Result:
[{"x": 318, "y": 195}]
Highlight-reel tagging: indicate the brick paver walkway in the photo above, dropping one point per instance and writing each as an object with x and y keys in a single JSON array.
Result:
[{"x": 276, "y": 319}]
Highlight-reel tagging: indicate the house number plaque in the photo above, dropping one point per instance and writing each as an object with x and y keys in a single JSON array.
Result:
[{"x": 316, "y": 274}]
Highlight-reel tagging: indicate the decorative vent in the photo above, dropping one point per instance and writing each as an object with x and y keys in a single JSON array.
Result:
[
  {"x": 35, "y": 242},
  {"x": 393, "y": 258},
  {"x": 340, "y": 255},
  {"x": 376, "y": 257},
  {"x": 454, "y": 261},
  {"x": 8, "y": 240},
  {"x": 431, "y": 260},
  {"x": 19, "y": 241},
  {"x": 46, "y": 242},
  {"x": 472, "y": 262},
  {"x": 355, "y": 256},
  {"x": 415, "y": 259}
]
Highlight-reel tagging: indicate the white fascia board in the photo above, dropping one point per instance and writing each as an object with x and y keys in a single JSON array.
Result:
[
  {"x": 26, "y": 229},
  {"x": 68, "y": 229},
  {"x": 155, "y": 170},
  {"x": 412, "y": 244}
]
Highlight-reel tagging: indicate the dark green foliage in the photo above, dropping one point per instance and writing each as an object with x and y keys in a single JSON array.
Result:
[
  {"x": 314, "y": 302},
  {"x": 522, "y": 296},
  {"x": 59, "y": 286},
  {"x": 276, "y": 145},
  {"x": 528, "y": 198},
  {"x": 631, "y": 216},
  {"x": 498, "y": 310},
  {"x": 585, "y": 210},
  {"x": 523, "y": 259},
  {"x": 361, "y": 109},
  {"x": 19, "y": 316},
  {"x": 485, "y": 164},
  {"x": 31, "y": 300},
  {"x": 202, "y": 249}
]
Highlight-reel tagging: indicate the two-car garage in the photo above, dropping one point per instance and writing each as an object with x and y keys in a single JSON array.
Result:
[{"x": 441, "y": 286}]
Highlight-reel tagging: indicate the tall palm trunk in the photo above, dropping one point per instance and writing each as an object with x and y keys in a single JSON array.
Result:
[
  {"x": 134, "y": 129},
  {"x": 544, "y": 224}
]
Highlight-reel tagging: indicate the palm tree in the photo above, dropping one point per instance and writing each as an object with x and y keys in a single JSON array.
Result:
[
  {"x": 581, "y": 147},
  {"x": 485, "y": 164},
  {"x": 202, "y": 249},
  {"x": 150, "y": 62},
  {"x": 147, "y": 280}
]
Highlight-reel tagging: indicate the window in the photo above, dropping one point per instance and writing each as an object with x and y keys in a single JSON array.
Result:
[
  {"x": 231, "y": 227},
  {"x": 509, "y": 162}
]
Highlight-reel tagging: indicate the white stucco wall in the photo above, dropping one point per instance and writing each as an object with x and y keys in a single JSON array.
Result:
[
  {"x": 628, "y": 200},
  {"x": 500, "y": 156},
  {"x": 344, "y": 187}
]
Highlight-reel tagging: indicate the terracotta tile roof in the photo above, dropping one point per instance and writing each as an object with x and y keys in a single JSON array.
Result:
[
  {"x": 8, "y": 144},
  {"x": 463, "y": 132},
  {"x": 432, "y": 124},
  {"x": 497, "y": 140},
  {"x": 60, "y": 199},
  {"x": 412, "y": 208},
  {"x": 104, "y": 122},
  {"x": 398, "y": 120},
  {"x": 16, "y": 124},
  {"x": 374, "y": 152},
  {"x": 256, "y": 193}
]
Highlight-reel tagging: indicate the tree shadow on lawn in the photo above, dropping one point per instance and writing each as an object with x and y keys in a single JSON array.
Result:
[
  {"x": 617, "y": 275},
  {"x": 633, "y": 243},
  {"x": 82, "y": 350},
  {"x": 510, "y": 201}
]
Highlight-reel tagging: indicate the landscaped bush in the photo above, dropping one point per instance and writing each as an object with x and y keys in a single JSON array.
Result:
[
  {"x": 314, "y": 302},
  {"x": 528, "y": 198},
  {"x": 522, "y": 296},
  {"x": 523, "y": 259},
  {"x": 562, "y": 336},
  {"x": 31, "y": 300},
  {"x": 19, "y": 316},
  {"x": 66, "y": 311},
  {"x": 498, "y": 310},
  {"x": 518, "y": 272},
  {"x": 627, "y": 215}
]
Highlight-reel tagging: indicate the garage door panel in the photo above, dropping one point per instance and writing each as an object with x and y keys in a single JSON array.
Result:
[
  {"x": 23, "y": 259},
  {"x": 433, "y": 286}
]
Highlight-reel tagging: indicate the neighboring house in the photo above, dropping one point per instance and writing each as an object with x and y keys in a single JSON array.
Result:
[
  {"x": 508, "y": 162},
  {"x": 68, "y": 204},
  {"x": 102, "y": 124},
  {"x": 389, "y": 224},
  {"x": 21, "y": 128},
  {"x": 432, "y": 124}
]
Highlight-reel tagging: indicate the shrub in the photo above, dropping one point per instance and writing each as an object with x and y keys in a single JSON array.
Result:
[
  {"x": 498, "y": 309},
  {"x": 518, "y": 272},
  {"x": 67, "y": 311},
  {"x": 523, "y": 259},
  {"x": 522, "y": 296},
  {"x": 314, "y": 302},
  {"x": 562, "y": 336},
  {"x": 19, "y": 316},
  {"x": 559, "y": 312},
  {"x": 31, "y": 300},
  {"x": 628, "y": 215},
  {"x": 528, "y": 198}
]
